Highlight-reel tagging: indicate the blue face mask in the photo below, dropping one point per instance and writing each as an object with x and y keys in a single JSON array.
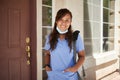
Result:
[{"x": 61, "y": 32}]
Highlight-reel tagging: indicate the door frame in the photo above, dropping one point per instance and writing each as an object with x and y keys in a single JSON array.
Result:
[
  {"x": 33, "y": 39},
  {"x": 39, "y": 39},
  {"x": 36, "y": 39}
]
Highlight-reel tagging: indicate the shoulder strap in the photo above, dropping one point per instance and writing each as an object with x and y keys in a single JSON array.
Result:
[{"x": 75, "y": 36}]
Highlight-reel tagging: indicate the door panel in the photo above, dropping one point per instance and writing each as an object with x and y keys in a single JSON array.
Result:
[{"x": 14, "y": 28}]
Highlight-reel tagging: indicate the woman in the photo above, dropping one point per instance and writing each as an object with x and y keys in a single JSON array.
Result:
[{"x": 59, "y": 62}]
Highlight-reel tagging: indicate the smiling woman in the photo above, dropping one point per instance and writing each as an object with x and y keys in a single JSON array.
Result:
[
  {"x": 63, "y": 24},
  {"x": 59, "y": 61}
]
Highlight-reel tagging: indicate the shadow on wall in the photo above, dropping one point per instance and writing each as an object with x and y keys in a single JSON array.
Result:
[
  {"x": 87, "y": 31},
  {"x": 90, "y": 62}
]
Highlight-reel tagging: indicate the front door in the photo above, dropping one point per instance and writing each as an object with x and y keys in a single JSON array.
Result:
[{"x": 14, "y": 29}]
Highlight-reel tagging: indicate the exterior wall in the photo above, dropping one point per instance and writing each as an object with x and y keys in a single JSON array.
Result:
[
  {"x": 118, "y": 30},
  {"x": 76, "y": 7},
  {"x": 56, "y": 6}
]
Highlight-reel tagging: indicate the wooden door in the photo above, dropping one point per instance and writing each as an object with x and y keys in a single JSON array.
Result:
[{"x": 14, "y": 28}]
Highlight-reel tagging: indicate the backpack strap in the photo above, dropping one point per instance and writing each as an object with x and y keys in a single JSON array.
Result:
[{"x": 75, "y": 36}]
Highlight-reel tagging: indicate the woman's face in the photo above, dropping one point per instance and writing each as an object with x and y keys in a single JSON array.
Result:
[{"x": 64, "y": 23}]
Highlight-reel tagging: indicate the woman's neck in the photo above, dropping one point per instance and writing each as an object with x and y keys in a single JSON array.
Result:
[{"x": 62, "y": 36}]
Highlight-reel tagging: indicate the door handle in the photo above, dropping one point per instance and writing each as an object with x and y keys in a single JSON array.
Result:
[
  {"x": 27, "y": 40},
  {"x": 27, "y": 49}
]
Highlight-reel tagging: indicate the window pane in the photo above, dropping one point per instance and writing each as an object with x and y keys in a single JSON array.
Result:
[
  {"x": 108, "y": 26},
  {"x": 105, "y": 15},
  {"x": 106, "y": 3},
  {"x": 45, "y": 33},
  {"x": 112, "y": 4},
  {"x": 108, "y": 16},
  {"x": 46, "y": 16},
  {"x": 108, "y": 44},
  {"x": 105, "y": 30},
  {"x": 108, "y": 30},
  {"x": 46, "y": 29},
  {"x": 47, "y": 2},
  {"x": 109, "y": 4},
  {"x": 112, "y": 16}
]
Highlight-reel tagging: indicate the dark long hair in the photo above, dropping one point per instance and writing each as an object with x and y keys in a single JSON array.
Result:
[{"x": 55, "y": 35}]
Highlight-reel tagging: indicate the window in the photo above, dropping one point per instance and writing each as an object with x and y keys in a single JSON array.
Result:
[
  {"x": 98, "y": 25},
  {"x": 108, "y": 25},
  {"x": 46, "y": 18},
  {"x": 46, "y": 25}
]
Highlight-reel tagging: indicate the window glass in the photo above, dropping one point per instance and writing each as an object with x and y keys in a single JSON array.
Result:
[
  {"x": 47, "y": 2},
  {"x": 108, "y": 30},
  {"x": 108, "y": 44},
  {"x": 45, "y": 33},
  {"x": 109, "y": 4},
  {"x": 46, "y": 27},
  {"x": 108, "y": 15},
  {"x": 99, "y": 27},
  {"x": 46, "y": 16},
  {"x": 108, "y": 25}
]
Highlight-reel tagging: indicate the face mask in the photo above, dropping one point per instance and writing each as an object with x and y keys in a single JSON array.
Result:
[{"x": 61, "y": 32}]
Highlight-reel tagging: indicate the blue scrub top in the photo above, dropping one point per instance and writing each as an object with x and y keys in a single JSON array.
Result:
[{"x": 61, "y": 58}]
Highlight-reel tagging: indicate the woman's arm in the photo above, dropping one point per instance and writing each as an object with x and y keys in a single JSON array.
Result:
[
  {"x": 47, "y": 61},
  {"x": 81, "y": 58}
]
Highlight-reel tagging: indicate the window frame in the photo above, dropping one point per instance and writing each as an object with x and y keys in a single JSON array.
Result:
[
  {"x": 47, "y": 28},
  {"x": 102, "y": 23}
]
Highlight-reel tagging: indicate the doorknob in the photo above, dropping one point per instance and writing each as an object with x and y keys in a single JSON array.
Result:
[
  {"x": 27, "y": 40},
  {"x": 27, "y": 49}
]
